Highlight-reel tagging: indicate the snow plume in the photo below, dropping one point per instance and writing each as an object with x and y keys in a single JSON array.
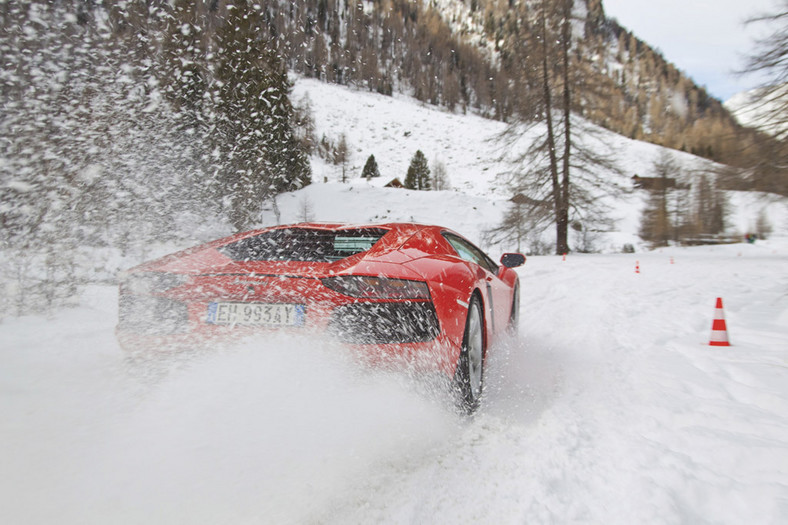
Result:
[
  {"x": 84, "y": 163},
  {"x": 275, "y": 431},
  {"x": 609, "y": 408},
  {"x": 110, "y": 117}
]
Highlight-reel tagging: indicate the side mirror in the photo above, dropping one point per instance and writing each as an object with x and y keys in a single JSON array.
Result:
[{"x": 512, "y": 260}]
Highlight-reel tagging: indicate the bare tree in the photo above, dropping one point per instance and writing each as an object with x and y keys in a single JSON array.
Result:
[
  {"x": 518, "y": 224},
  {"x": 558, "y": 173},
  {"x": 710, "y": 207},
  {"x": 662, "y": 221},
  {"x": 657, "y": 225},
  {"x": 342, "y": 155},
  {"x": 306, "y": 209},
  {"x": 769, "y": 102},
  {"x": 762, "y": 225},
  {"x": 769, "y": 59},
  {"x": 440, "y": 177}
]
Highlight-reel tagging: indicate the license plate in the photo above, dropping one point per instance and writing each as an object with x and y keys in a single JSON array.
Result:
[{"x": 256, "y": 314}]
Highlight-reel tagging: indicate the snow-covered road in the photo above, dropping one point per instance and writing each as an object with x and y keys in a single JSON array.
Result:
[{"x": 609, "y": 408}]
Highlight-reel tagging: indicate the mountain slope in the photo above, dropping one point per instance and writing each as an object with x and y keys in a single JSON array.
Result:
[{"x": 393, "y": 128}]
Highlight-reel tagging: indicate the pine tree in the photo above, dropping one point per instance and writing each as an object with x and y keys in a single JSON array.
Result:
[
  {"x": 253, "y": 115},
  {"x": 289, "y": 164},
  {"x": 183, "y": 70},
  {"x": 370, "y": 168},
  {"x": 111, "y": 165},
  {"x": 418, "y": 177}
]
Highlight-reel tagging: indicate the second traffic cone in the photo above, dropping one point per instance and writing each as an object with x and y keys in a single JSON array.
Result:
[{"x": 719, "y": 332}]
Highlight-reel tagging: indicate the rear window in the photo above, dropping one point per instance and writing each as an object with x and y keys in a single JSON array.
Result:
[{"x": 303, "y": 244}]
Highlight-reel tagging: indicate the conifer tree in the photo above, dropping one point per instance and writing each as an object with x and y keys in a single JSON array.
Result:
[
  {"x": 184, "y": 66},
  {"x": 370, "y": 168},
  {"x": 289, "y": 164},
  {"x": 418, "y": 177},
  {"x": 253, "y": 114}
]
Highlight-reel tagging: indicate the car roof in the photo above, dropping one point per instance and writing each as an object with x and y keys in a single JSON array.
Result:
[
  {"x": 398, "y": 235},
  {"x": 402, "y": 230}
]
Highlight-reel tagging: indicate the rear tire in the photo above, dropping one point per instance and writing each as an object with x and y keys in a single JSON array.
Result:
[
  {"x": 469, "y": 376},
  {"x": 514, "y": 318}
]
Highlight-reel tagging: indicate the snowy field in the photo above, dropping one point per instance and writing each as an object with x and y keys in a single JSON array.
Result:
[
  {"x": 608, "y": 408},
  {"x": 393, "y": 128}
]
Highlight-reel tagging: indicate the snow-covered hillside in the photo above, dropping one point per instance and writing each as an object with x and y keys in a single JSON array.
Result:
[
  {"x": 394, "y": 128},
  {"x": 609, "y": 408}
]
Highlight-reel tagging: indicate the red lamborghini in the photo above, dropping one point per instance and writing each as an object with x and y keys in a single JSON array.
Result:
[{"x": 422, "y": 294}]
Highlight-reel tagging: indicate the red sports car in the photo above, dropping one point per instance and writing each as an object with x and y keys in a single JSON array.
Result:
[{"x": 421, "y": 294}]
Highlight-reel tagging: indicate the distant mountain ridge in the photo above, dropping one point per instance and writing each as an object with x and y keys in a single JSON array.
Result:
[
  {"x": 460, "y": 54},
  {"x": 645, "y": 96}
]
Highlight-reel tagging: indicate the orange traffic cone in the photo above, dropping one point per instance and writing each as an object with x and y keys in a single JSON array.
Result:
[{"x": 719, "y": 332}]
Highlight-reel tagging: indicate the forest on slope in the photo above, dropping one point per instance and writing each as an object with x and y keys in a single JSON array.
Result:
[{"x": 479, "y": 55}]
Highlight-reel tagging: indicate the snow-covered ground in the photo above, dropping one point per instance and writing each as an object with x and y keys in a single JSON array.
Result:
[
  {"x": 608, "y": 408},
  {"x": 394, "y": 128}
]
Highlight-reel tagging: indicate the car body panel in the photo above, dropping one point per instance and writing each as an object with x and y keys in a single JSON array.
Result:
[{"x": 193, "y": 281}]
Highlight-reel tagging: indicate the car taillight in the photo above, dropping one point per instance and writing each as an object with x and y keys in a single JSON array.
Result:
[{"x": 378, "y": 287}]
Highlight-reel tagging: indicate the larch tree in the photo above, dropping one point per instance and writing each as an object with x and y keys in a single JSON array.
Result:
[
  {"x": 440, "y": 176},
  {"x": 341, "y": 155},
  {"x": 657, "y": 226},
  {"x": 710, "y": 207},
  {"x": 561, "y": 172},
  {"x": 769, "y": 60}
]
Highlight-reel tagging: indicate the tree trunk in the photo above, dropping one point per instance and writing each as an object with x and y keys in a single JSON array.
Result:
[
  {"x": 562, "y": 219},
  {"x": 558, "y": 201}
]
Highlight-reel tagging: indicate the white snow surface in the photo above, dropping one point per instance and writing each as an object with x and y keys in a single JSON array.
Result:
[
  {"x": 477, "y": 162},
  {"x": 609, "y": 407}
]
